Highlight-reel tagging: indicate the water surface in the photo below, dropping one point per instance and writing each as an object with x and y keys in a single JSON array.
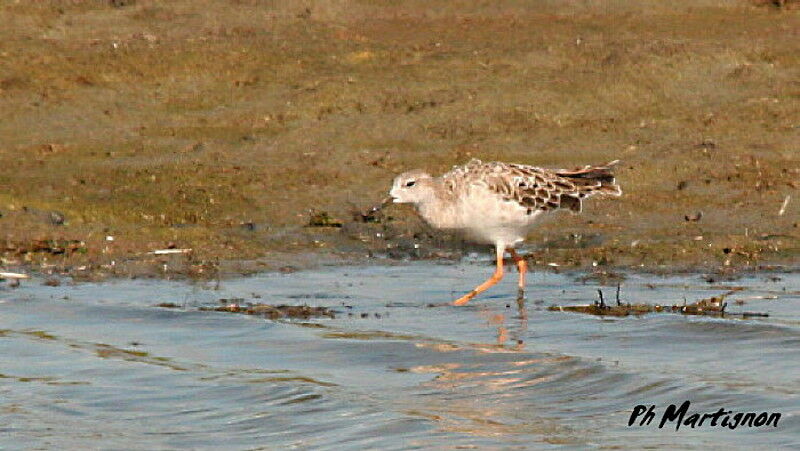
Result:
[{"x": 100, "y": 366}]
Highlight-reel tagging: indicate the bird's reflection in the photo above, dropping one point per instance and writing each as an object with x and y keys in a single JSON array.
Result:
[
  {"x": 477, "y": 387},
  {"x": 511, "y": 327}
]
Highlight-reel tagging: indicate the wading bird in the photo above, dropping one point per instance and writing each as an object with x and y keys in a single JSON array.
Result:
[{"x": 499, "y": 203}]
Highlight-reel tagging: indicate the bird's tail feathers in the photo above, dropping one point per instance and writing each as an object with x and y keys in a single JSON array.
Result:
[{"x": 591, "y": 180}]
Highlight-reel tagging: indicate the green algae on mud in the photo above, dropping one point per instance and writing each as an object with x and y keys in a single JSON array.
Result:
[{"x": 221, "y": 134}]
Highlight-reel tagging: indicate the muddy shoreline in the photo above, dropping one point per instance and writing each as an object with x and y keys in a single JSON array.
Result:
[
  {"x": 185, "y": 267},
  {"x": 259, "y": 134}
]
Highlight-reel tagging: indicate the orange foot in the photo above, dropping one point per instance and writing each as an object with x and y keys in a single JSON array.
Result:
[
  {"x": 464, "y": 299},
  {"x": 498, "y": 274}
]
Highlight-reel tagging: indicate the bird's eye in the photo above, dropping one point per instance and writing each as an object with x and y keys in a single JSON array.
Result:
[{"x": 410, "y": 183}]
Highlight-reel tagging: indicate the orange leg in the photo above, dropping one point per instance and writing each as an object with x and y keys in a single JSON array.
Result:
[
  {"x": 498, "y": 274},
  {"x": 522, "y": 267}
]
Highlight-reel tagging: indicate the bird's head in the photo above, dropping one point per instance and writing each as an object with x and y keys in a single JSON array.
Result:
[{"x": 412, "y": 187}]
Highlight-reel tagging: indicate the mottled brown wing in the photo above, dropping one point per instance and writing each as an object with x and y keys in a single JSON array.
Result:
[
  {"x": 531, "y": 187},
  {"x": 545, "y": 189},
  {"x": 535, "y": 188}
]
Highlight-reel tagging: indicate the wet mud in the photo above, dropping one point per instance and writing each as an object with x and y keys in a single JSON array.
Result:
[{"x": 325, "y": 103}]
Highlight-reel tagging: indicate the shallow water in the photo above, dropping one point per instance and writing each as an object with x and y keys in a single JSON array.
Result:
[{"x": 99, "y": 366}]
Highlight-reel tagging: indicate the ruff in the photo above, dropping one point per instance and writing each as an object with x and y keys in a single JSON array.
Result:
[{"x": 499, "y": 203}]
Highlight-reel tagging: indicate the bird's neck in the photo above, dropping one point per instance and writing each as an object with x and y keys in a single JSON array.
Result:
[{"x": 434, "y": 207}]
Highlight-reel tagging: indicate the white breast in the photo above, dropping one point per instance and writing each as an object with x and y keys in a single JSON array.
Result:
[{"x": 482, "y": 216}]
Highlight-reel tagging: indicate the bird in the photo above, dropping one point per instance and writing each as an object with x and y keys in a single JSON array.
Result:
[{"x": 499, "y": 203}]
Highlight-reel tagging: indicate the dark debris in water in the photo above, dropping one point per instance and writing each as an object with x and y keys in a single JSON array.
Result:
[
  {"x": 721, "y": 277},
  {"x": 604, "y": 277},
  {"x": 274, "y": 311},
  {"x": 713, "y": 306}
]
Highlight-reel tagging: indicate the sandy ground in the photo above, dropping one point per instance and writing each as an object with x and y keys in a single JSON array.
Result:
[{"x": 225, "y": 126}]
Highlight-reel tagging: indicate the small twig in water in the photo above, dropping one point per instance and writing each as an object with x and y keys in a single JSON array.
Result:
[{"x": 602, "y": 303}]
